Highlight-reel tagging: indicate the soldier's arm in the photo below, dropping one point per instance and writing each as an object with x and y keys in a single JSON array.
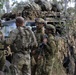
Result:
[
  {"x": 12, "y": 37},
  {"x": 33, "y": 38},
  {"x": 52, "y": 45}
]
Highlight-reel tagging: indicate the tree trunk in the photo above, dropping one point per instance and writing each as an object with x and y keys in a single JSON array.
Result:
[
  {"x": 65, "y": 8},
  {"x": 75, "y": 6},
  {"x": 7, "y": 6}
]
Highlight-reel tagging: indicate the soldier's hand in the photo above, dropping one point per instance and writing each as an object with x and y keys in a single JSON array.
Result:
[
  {"x": 45, "y": 41},
  {"x": 5, "y": 52},
  {"x": 9, "y": 50},
  {"x": 39, "y": 57}
]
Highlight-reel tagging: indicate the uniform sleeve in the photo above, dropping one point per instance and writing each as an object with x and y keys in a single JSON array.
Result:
[
  {"x": 52, "y": 44},
  {"x": 12, "y": 37},
  {"x": 33, "y": 38}
]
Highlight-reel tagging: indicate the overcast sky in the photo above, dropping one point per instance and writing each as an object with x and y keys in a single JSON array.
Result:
[{"x": 70, "y": 4}]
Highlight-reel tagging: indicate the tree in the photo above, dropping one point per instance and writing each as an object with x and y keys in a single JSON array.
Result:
[
  {"x": 75, "y": 6},
  {"x": 7, "y": 6}
]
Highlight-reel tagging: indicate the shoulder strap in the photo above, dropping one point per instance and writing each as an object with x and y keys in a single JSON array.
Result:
[{"x": 20, "y": 32}]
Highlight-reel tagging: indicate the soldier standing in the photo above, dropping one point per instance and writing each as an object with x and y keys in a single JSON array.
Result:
[
  {"x": 20, "y": 40},
  {"x": 50, "y": 31},
  {"x": 39, "y": 33},
  {"x": 2, "y": 53},
  {"x": 51, "y": 47}
]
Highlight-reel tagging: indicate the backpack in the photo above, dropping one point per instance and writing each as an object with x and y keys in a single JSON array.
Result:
[{"x": 22, "y": 41}]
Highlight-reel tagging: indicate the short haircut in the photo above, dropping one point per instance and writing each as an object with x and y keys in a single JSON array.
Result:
[{"x": 20, "y": 20}]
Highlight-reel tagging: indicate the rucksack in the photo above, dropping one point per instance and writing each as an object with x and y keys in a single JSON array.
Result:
[{"x": 22, "y": 41}]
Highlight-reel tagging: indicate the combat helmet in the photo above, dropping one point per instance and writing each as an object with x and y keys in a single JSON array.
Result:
[
  {"x": 40, "y": 20},
  {"x": 51, "y": 28}
]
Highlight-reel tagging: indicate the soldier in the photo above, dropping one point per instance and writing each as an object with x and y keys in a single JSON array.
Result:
[
  {"x": 20, "y": 40},
  {"x": 50, "y": 48},
  {"x": 40, "y": 23},
  {"x": 50, "y": 31},
  {"x": 39, "y": 33},
  {"x": 2, "y": 53}
]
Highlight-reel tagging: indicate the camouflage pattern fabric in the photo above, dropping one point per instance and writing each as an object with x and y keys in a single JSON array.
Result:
[
  {"x": 21, "y": 64},
  {"x": 2, "y": 60},
  {"x": 50, "y": 49},
  {"x": 50, "y": 54},
  {"x": 39, "y": 62},
  {"x": 2, "y": 54},
  {"x": 21, "y": 61},
  {"x": 40, "y": 32}
]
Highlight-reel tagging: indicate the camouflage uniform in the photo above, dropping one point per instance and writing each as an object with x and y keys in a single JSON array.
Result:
[
  {"x": 2, "y": 54},
  {"x": 39, "y": 33},
  {"x": 21, "y": 61},
  {"x": 50, "y": 48},
  {"x": 39, "y": 62}
]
